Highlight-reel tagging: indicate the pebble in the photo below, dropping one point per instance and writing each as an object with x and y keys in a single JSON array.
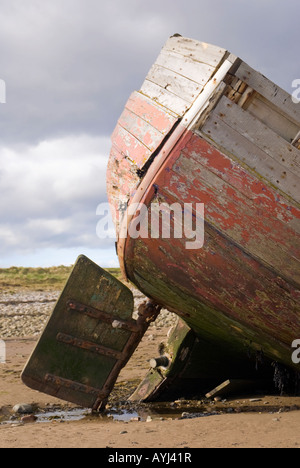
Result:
[
  {"x": 25, "y": 313},
  {"x": 31, "y": 418},
  {"x": 23, "y": 408}
]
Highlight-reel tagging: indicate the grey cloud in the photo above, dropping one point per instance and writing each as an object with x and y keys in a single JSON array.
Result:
[
  {"x": 49, "y": 194},
  {"x": 71, "y": 64},
  {"x": 69, "y": 67}
]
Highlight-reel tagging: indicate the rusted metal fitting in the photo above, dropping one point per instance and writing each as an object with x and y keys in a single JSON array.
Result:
[
  {"x": 148, "y": 313},
  {"x": 162, "y": 361}
]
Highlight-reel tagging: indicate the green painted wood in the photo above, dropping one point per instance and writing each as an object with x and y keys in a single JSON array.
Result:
[
  {"x": 78, "y": 351},
  {"x": 196, "y": 365}
]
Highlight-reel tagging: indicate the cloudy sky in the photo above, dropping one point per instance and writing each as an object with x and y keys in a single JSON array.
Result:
[{"x": 69, "y": 67}]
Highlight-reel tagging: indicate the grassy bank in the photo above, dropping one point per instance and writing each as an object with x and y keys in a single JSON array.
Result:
[{"x": 44, "y": 279}]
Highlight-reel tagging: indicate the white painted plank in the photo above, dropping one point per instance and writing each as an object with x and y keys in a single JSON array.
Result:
[
  {"x": 199, "y": 51},
  {"x": 273, "y": 117},
  {"x": 236, "y": 145},
  {"x": 177, "y": 84},
  {"x": 262, "y": 136},
  {"x": 130, "y": 147},
  {"x": 185, "y": 66},
  {"x": 136, "y": 95},
  {"x": 142, "y": 130},
  {"x": 165, "y": 98},
  {"x": 270, "y": 91}
]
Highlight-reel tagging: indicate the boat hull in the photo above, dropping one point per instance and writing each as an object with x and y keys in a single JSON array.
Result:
[
  {"x": 240, "y": 288},
  {"x": 222, "y": 292}
]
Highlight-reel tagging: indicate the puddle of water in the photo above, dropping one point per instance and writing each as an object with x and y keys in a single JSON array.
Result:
[
  {"x": 124, "y": 414},
  {"x": 157, "y": 411},
  {"x": 114, "y": 414},
  {"x": 75, "y": 414}
]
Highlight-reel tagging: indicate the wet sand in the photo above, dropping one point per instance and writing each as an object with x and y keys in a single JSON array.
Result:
[{"x": 271, "y": 421}]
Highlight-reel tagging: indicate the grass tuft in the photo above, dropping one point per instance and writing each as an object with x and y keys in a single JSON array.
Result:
[{"x": 39, "y": 279}]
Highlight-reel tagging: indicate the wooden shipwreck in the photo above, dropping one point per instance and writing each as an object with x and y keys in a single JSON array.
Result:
[{"x": 204, "y": 128}]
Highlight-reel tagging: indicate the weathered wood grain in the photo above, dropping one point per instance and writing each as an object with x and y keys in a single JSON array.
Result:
[
  {"x": 130, "y": 146},
  {"x": 175, "y": 83},
  {"x": 260, "y": 134},
  {"x": 271, "y": 116},
  {"x": 215, "y": 285},
  {"x": 271, "y": 238},
  {"x": 250, "y": 155},
  {"x": 185, "y": 66},
  {"x": 122, "y": 180},
  {"x": 148, "y": 135},
  {"x": 159, "y": 117},
  {"x": 273, "y": 93},
  {"x": 198, "y": 51},
  {"x": 242, "y": 288},
  {"x": 165, "y": 98}
]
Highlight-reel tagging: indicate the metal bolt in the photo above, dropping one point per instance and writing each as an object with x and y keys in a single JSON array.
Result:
[{"x": 162, "y": 361}]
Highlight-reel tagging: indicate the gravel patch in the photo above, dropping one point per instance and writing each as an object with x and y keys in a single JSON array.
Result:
[{"x": 25, "y": 314}]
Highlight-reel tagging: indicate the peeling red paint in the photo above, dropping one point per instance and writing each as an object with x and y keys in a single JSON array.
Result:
[
  {"x": 257, "y": 190},
  {"x": 155, "y": 115},
  {"x": 130, "y": 147},
  {"x": 265, "y": 228},
  {"x": 248, "y": 269}
]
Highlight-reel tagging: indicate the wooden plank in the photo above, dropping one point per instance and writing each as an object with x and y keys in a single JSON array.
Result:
[
  {"x": 255, "y": 191},
  {"x": 175, "y": 83},
  {"x": 129, "y": 325},
  {"x": 68, "y": 372},
  {"x": 270, "y": 91},
  {"x": 224, "y": 276},
  {"x": 130, "y": 146},
  {"x": 271, "y": 116},
  {"x": 89, "y": 346},
  {"x": 296, "y": 141},
  {"x": 144, "y": 132},
  {"x": 254, "y": 130},
  {"x": 122, "y": 180},
  {"x": 160, "y": 118},
  {"x": 199, "y": 51},
  {"x": 248, "y": 154},
  {"x": 60, "y": 383},
  {"x": 273, "y": 241},
  {"x": 165, "y": 98},
  {"x": 185, "y": 66},
  {"x": 233, "y": 386},
  {"x": 121, "y": 170}
]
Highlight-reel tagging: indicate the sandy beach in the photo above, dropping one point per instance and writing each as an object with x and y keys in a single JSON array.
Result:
[{"x": 265, "y": 421}]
